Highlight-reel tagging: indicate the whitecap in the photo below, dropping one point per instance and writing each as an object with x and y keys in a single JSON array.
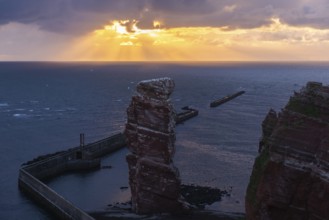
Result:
[
  {"x": 20, "y": 115},
  {"x": 4, "y": 104},
  {"x": 47, "y": 109}
]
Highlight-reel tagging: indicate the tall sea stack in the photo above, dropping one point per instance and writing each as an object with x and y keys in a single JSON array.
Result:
[
  {"x": 290, "y": 178},
  {"x": 153, "y": 178}
]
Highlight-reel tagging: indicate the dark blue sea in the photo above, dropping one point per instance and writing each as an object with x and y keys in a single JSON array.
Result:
[{"x": 45, "y": 106}]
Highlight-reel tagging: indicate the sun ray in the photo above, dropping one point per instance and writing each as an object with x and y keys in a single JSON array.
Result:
[{"x": 123, "y": 40}]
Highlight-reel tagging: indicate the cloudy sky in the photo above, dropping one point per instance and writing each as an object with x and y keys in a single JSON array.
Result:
[{"x": 128, "y": 30}]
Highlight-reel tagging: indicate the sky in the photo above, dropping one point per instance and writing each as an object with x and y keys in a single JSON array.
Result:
[{"x": 164, "y": 30}]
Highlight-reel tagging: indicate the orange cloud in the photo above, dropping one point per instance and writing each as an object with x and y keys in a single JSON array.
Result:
[{"x": 124, "y": 41}]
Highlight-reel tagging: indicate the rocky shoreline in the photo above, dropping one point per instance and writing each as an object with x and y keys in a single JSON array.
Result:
[
  {"x": 204, "y": 215},
  {"x": 197, "y": 196}
]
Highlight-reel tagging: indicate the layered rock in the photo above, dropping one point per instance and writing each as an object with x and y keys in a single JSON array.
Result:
[
  {"x": 153, "y": 179},
  {"x": 290, "y": 178}
]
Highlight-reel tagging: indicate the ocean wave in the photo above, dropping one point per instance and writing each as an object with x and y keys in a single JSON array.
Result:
[
  {"x": 20, "y": 115},
  {"x": 4, "y": 104},
  {"x": 63, "y": 109}
]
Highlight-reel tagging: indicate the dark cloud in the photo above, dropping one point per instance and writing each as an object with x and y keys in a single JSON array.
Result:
[
  {"x": 183, "y": 6},
  {"x": 105, "y": 6},
  {"x": 47, "y": 14},
  {"x": 68, "y": 15},
  {"x": 76, "y": 16}
]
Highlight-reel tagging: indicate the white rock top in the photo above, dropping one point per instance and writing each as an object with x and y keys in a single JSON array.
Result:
[
  {"x": 160, "y": 88},
  {"x": 156, "y": 80}
]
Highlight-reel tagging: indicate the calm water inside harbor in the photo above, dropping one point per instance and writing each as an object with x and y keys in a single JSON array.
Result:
[{"x": 45, "y": 106}]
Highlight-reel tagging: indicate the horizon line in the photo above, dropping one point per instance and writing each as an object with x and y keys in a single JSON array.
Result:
[{"x": 164, "y": 61}]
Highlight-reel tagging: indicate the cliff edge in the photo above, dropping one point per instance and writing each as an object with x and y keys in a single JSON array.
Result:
[{"x": 290, "y": 178}]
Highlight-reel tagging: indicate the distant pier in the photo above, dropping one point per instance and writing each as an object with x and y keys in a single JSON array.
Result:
[
  {"x": 187, "y": 114},
  {"x": 225, "y": 99}
]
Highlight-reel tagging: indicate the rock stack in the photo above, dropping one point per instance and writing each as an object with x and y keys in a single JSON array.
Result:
[
  {"x": 290, "y": 178},
  {"x": 153, "y": 179}
]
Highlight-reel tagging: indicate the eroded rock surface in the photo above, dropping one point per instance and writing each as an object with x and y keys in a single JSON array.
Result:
[
  {"x": 290, "y": 178},
  {"x": 153, "y": 179}
]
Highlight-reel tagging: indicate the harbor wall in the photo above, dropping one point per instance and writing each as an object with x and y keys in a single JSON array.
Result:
[
  {"x": 59, "y": 164},
  {"x": 186, "y": 115},
  {"x": 78, "y": 158},
  {"x": 69, "y": 161},
  {"x": 49, "y": 198},
  {"x": 105, "y": 146}
]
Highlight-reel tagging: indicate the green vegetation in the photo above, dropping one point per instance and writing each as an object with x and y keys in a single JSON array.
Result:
[
  {"x": 306, "y": 109},
  {"x": 257, "y": 173}
]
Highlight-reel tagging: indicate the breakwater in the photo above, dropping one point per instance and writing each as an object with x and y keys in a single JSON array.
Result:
[
  {"x": 185, "y": 115},
  {"x": 85, "y": 157},
  {"x": 225, "y": 99},
  {"x": 49, "y": 199},
  {"x": 78, "y": 158}
]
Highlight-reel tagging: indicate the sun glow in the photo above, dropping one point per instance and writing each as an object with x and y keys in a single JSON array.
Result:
[
  {"x": 157, "y": 24},
  {"x": 123, "y": 40},
  {"x": 126, "y": 33}
]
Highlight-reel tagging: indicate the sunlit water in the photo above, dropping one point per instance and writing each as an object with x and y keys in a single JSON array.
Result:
[{"x": 44, "y": 107}]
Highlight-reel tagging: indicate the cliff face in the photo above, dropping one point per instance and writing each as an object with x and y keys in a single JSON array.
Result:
[
  {"x": 153, "y": 179},
  {"x": 290, "y": 178}
]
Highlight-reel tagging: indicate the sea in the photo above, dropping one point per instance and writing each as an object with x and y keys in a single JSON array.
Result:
[{"x": 44, "y": 106}]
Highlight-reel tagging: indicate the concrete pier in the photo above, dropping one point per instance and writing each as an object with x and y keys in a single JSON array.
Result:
[
  {"x": 31, "y": 175},
  {"x": 187, "y": 114},
  {"x": 225, "y": 99}
]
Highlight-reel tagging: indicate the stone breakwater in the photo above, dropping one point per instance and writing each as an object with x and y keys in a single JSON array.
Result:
[
  {"x": 32, "y": 173},
  {"x": 290, "y": 178},
  {"x": 153, "y": 178}
]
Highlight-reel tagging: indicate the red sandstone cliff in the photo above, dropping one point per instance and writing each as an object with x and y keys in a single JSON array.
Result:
[
  {"x": 290, "y": 178},
  {"x": 153, "y": 178}
]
